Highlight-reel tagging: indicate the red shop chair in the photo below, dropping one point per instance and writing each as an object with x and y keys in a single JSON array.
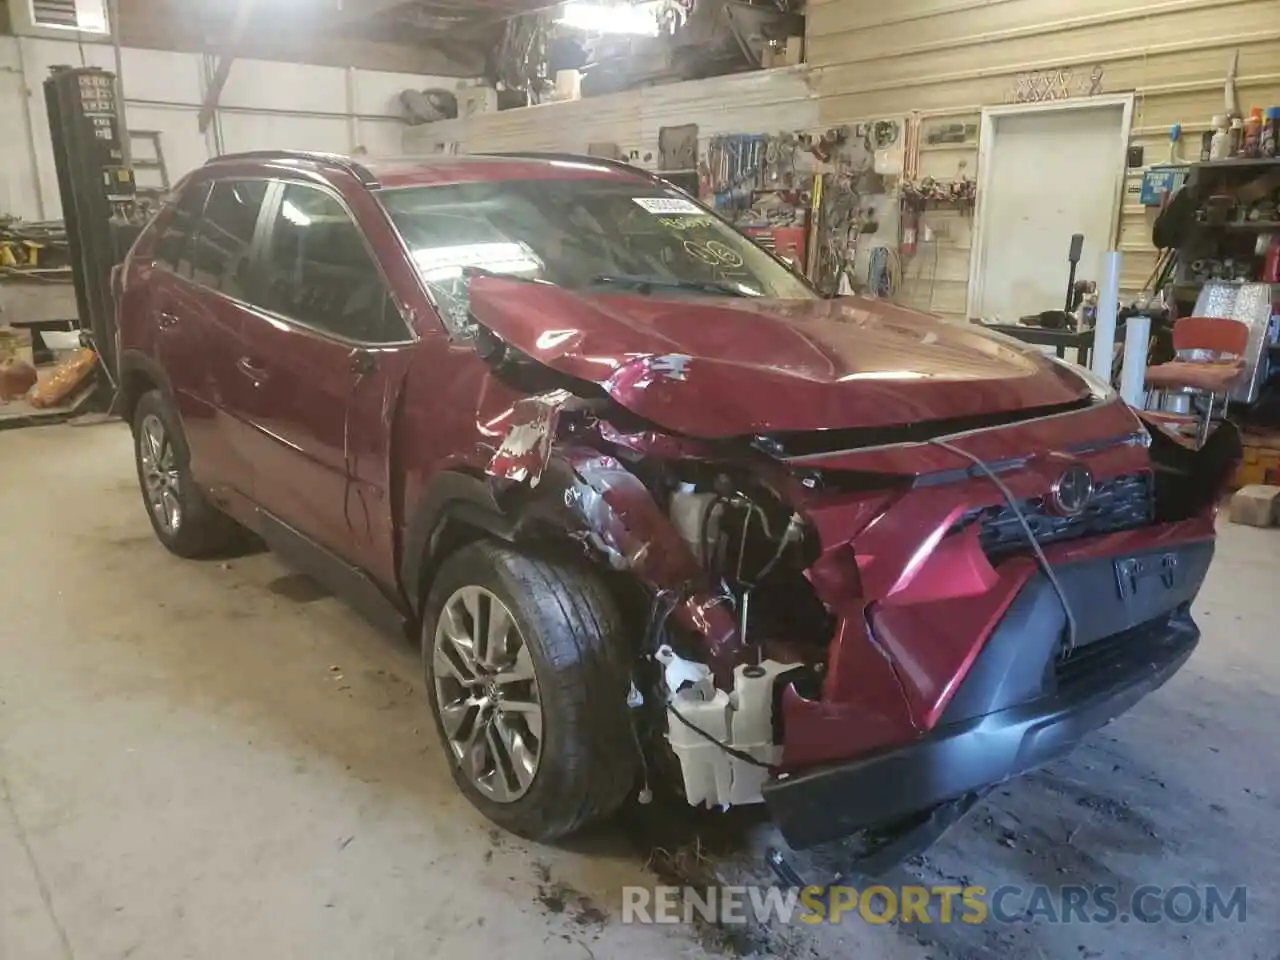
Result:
[{"x": 1224, "y": 341}]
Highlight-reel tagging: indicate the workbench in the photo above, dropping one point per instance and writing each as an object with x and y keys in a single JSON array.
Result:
[
  {"x": 1061, "y": 340},
  {"x": 40, "y": 352}
]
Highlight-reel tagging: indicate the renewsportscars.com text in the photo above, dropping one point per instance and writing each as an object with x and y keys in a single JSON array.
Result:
[{"x": 936, "y": 904}]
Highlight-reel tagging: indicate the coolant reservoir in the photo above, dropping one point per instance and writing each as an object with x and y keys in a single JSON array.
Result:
[
  {"x": 708, "y": 776},
  {"x": 751, "y": 728}
]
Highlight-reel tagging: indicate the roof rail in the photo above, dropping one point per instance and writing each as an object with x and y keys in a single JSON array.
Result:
[
  {"x": 353, "y": 167},
  {"x": 576, "y": 158}
]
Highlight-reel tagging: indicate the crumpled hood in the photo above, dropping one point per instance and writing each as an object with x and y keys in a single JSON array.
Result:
[{"x": 719, "y": 367}]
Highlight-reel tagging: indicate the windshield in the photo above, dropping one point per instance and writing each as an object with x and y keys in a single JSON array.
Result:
[{"x": 592, "y": 235}]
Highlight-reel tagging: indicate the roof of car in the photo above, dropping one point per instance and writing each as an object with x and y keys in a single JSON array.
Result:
[
  {"x": 447, "y": 169},
  {"x": 421, "y": 171}
]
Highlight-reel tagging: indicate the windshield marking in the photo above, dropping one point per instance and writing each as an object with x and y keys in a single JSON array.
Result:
[{"x": 668, "y": 205}]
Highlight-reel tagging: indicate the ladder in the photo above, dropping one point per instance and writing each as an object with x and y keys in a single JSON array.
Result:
[{"x": 149, "y": 160}]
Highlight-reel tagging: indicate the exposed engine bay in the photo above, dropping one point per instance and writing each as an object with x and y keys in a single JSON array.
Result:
[
  {"x": 753, "y": 553},
  {"x": 810, "y": 598}
]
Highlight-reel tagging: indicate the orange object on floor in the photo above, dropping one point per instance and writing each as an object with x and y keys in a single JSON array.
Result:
[
  {"x": 16, "y": 378},
  {"x": 69, "y": 376}
]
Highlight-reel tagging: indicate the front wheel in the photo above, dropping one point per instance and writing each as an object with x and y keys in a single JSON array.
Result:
[{"x": 525, "y": 661}]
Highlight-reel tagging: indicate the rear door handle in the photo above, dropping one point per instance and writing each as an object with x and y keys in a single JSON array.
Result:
[
  {"x": 168, "y": 319},
  {"x": 253, "y": 371}
]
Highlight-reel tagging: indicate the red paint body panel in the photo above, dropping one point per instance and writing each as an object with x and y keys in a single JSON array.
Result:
[
  {"x": 686, "y": 363},
  {"x": 891, "y": 689}
]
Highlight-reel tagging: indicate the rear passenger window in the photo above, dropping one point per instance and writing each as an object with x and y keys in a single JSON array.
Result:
[
  {"x": 220, "y": 258},
  {"x": 319, "y": 272},
  {"x": 173, "y": 249}
]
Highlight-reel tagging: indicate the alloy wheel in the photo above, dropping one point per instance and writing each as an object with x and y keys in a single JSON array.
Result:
[
  {"x": 161, "y": 479},
  {"x": 487, "y": 694}
]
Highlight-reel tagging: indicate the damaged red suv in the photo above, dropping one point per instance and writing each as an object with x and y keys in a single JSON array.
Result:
[{"x": 659, "y": 513}]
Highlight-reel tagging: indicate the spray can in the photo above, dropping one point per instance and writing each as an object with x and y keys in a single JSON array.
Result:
[
  {"x": 1271, "y": 265},
  {"x": 1218, "y": 145},
  {"x": 1235, "y": 137},
  {"x": 1252, "y": 133},
  {"x": 1270, "y": 145}
]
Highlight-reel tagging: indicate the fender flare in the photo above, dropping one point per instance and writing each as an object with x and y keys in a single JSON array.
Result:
[
  {"x": 135, "y": 361},
  {"x": 449, "y": 497}
]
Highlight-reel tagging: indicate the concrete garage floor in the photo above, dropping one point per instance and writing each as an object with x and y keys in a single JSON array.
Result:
[{"x": 214, "y": 760}]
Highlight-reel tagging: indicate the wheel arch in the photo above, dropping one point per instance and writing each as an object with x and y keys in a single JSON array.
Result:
[
  {"x": 139, "y": 374},
  {"x": 455, "y": 508}
]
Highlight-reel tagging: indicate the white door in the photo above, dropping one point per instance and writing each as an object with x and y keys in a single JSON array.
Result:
[{"x": 1046, "y": 174}]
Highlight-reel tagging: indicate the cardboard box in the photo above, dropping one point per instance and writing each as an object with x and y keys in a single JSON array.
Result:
[
  {"x": 1261, "y": 460},
  {"x": 1256, "y": 505}
]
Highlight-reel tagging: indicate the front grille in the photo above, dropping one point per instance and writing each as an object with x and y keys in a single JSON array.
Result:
[{"x": 1121, "y": 503}]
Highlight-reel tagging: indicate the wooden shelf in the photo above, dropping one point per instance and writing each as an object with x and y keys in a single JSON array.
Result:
[{"x": 1237, "y": 162}]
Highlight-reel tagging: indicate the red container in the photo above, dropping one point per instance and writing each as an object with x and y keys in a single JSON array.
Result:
[
  {"x": 1271, "y": 269},
  {"x": 786, "y": 242}
]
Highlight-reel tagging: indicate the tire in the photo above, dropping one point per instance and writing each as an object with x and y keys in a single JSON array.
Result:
[
  {"x": 201, "y": 529},
  {"x": 573, "y": 632}
]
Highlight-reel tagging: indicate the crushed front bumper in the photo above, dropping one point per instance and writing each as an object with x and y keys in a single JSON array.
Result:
[{"x": 1025, "y": 701}]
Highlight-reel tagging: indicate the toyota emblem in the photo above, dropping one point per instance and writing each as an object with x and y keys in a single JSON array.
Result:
[{"x": 1072, "y": 491}]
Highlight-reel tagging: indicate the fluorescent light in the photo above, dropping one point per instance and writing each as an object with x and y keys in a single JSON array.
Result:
[{"x": 599, "y": 17}]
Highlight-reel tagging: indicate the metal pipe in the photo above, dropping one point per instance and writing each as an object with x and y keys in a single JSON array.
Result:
[
  {"x": 212, "y": 133},
  {"x": 353, "y": 122},
  {"x": 29, "y": 120},
  {"x": 1104, "y": 330},
  {"x": 122, "y": 119},
  {"x": 1133, "y": 376},
  {"x": 266, "y": 111}
]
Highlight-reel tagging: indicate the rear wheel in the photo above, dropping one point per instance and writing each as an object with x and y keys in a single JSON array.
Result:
[
  {"x": 525, "y": 660},
  {"x": 183, "y": 519}
]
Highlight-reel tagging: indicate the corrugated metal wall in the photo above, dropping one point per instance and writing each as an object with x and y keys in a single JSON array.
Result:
[
  {"x": 765, "y": 101},
  {"x": 950, "y": 58}
]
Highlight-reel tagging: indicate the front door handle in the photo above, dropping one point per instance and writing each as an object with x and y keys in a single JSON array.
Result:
[
  {"x": 168, "y": 320},
  {"x": 258, "y": 374},
  {"x": 363, "y": 362}
]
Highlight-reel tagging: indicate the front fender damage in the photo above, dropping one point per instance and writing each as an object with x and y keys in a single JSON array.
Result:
[
  {"x": 527, "y": 430},
  {"x": 702, "y": 527},
  {"x": 553, "y": 474}
]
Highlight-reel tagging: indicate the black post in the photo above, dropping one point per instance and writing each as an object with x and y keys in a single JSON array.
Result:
[
  {"x": 1077, "y": 247},
  {"x": 94, "y": 185}
]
